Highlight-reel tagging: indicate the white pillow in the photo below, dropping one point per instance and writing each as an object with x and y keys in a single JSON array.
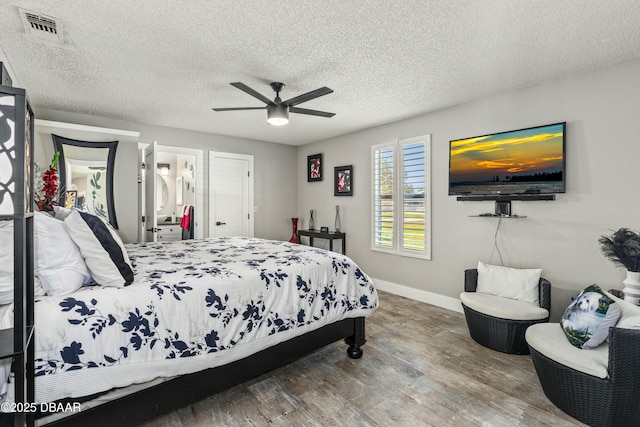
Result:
[
  {"x": 630, "y": 318},
  {"x": 61, "y": 213},
  {"x": 58, "y": 262},
  {"x": 6, "y": 265},
  {"x": 6, "y": 262},
  {"x": 102, "y": 249},
  {"x": 514, "y": 283}
]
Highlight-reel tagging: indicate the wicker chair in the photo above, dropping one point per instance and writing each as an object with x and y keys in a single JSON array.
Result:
[
  {"x": 611, "y": 401},
  {"x": 504, "y": 335}
]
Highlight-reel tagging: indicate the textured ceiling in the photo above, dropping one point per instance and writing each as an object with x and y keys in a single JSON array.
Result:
[{"x": 169, "y": 62}]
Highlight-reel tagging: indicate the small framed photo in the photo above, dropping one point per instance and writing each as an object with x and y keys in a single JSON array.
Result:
[
  {"x": 71, "y": 199},
  {"x": 314, "y": 167},
  {"x": 343, "y": 181}
]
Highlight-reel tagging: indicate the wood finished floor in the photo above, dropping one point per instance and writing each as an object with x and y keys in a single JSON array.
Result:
[{"x": 420, "y": 368}]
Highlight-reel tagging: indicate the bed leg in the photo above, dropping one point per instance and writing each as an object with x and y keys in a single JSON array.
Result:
[{"x": 357, "y": 339}]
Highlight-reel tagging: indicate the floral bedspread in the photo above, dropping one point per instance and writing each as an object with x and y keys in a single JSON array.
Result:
[{"x": 197, "y": 297}]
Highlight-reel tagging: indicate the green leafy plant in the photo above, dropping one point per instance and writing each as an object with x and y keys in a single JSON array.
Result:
[{"x": 622, "y": 248}]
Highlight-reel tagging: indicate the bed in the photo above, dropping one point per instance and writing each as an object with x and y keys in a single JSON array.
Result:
[{"x": 200, "y": 315}]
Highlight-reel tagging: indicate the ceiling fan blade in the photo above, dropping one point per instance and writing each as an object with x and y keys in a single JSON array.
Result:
[
  {"x": 238, "y": 108},
  {"x": 243, "y": 87},
  {"x": 307, "y": 96},
  {"x": 310, "y": 112}
]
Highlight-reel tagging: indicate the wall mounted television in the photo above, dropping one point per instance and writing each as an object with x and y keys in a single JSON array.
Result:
[{"x": 527, "y": 161}]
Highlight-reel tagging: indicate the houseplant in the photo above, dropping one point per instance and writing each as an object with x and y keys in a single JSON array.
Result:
[
  {"x": 47, "y": 190},
  {"x": 623, "y": 249}
]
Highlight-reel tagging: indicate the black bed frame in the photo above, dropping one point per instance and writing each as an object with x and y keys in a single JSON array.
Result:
[{"x": 187, "y": 389}]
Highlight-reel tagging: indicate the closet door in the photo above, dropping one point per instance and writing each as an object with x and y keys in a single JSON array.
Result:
[{"x": 230, "y": 195}]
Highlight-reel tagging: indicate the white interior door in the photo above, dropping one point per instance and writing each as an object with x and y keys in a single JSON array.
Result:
[
  {"x": 230, "y": 195},
  {"x": 150, "y": 210}
]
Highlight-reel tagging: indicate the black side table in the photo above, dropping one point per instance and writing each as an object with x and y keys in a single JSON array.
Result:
[{"x": 330, "y": 236}]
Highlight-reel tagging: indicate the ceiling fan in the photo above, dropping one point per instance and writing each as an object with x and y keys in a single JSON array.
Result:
[{"x": 278, "y": 110}]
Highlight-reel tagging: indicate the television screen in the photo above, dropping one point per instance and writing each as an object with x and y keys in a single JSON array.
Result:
[{"x": 524, "y": 161}]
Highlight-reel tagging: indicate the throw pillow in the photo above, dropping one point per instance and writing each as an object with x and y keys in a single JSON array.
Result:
[
  {"x": 6, "y": 265},
  {"x": 61, "y": 213},
  {"x": 587, "y": 320},
  {"x": 515, "y": 283},
  {"x": 102, "y": 249},
  {"x": 58, "y": 262},
  {"x": 630, "y": 313},
  {"x": 6, "y": 262}
]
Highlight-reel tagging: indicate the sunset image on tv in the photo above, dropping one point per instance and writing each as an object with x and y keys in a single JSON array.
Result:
[{"x": 522, "y": 161}]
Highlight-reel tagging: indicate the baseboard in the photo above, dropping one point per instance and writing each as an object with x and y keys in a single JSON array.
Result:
[{"x": 419, "y": 295}]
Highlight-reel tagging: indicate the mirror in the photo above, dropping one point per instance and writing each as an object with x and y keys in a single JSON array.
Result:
[
  {"x": 162, "y": 192},
  {"x": 85, "y": 170}
]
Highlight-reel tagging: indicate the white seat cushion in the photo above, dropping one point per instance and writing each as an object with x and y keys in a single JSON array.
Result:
[
  {"x": 550, "y": 340},
  {"x": 504, "y": 308}
]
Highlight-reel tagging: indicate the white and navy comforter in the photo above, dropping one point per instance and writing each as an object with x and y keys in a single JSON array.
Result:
[{"x": 206, "y": 302}]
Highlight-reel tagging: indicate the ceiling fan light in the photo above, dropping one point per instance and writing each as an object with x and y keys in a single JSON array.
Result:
[
  {"x": 277, "y": 121},
  {"x": 277, "y": 115}
]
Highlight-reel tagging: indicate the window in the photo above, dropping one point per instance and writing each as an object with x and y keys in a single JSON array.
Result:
[{"x": 401, "y": 209}]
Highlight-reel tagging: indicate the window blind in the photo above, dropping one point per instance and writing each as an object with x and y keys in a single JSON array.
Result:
[
  {"x": 383, "y": 189},
  {"x": 413, "y": 183}
]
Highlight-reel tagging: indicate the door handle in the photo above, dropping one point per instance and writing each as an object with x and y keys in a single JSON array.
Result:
[
  {"x": 220, "y": 223},
  {"x": 155, "y": 230}
]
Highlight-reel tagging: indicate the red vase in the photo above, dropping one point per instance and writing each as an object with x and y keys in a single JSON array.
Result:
[{"x": 294, "y": 238}]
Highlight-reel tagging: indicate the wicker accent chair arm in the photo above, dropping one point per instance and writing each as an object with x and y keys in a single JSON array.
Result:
[
  {"x": 624, "y": 360},
  {"x": 545, "y": 293},
  {"x": 470, "y": 280}
]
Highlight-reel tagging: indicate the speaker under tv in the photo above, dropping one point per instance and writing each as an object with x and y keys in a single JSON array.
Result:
[{"x": 503, "y": 207}]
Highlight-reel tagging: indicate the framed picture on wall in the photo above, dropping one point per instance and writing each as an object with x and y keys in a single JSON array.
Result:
[
  {"x": 343, "y": 181},
  {"x": 314, "y": 167},
  {"x": 71, "y": 199}
]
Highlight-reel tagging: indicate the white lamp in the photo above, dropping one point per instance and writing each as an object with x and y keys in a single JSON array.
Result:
[{"x": 277, "y": 115}]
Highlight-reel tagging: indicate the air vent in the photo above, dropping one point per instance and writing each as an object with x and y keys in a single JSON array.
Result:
[{"x": 41, "y": 26}]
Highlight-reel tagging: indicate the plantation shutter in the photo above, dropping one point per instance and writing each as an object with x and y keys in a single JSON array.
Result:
[
  {"x": 383, "y": 189},
  {"x": 413, "y": 196},
  {"x": 401, "y": 205}
]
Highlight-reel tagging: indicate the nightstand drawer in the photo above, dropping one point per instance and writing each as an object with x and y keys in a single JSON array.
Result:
[{"x": 169, "y": 232}]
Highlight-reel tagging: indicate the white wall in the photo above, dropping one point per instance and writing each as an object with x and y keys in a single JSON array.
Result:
[
  {"x": 601, "y": 109},
  {"x": 275, "y": 171},
  {"x": 188, "y": 175}
]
